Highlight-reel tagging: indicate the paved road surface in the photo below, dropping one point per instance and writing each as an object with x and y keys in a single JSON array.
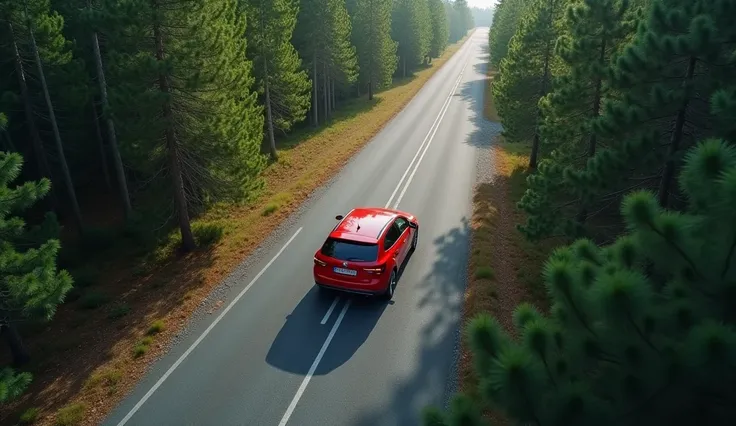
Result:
[{"x": 281, "y": 354}]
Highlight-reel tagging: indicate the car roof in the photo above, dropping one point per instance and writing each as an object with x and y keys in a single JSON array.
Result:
[{"x": 363, "y": 224}]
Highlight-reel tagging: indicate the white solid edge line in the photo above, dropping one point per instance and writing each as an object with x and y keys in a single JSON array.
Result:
[
  {"x": 431, "y": 138},
  {"x": 326, "y": 344},
  {"x": 204, "y": 334},
  {"x": 329, "y": 311},
  {"x": 314, "y": 366},
  {"x": 447, "y": 101}
]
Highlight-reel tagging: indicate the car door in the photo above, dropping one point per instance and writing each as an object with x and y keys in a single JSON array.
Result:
[
  {"x": 403, "y": 226},
  {"x": 391, "y": 242}
]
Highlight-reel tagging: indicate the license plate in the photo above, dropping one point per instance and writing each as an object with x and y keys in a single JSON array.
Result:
[{"x": 344, "y": 271}]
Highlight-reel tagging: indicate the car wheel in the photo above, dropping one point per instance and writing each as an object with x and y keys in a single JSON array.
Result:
[
  {"x": 389, "y": 294},
  {"x": 415, "y": 239}
]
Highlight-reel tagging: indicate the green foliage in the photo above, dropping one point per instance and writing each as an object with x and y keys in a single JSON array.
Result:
[
  {"x": 411, "y": 28},
  {"x": 526, "y": 73},
  {"x": 270, "y": 27},
  {"x": 595, "y": 33},
  {"x": 461, "y": 20},
  {"x": 371, "y": 35},
  {"x": 29, "y": 416},
  {"x": 505, "y": 23},
  {"x": 440, "y": 25},
  {"x": 31, "y": 286},
  {"x": 639, "y": 330},
  {"x": 218, "y": 135},
  {"x": 156, "y": 327}
]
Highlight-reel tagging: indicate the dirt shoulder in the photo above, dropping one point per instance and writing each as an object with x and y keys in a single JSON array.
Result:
[
  {"x": 503, "y": 268},
  {"x": 98, "y": 347}
]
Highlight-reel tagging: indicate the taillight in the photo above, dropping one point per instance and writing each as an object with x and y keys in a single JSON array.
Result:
[
  {"x": 378, "y": 270},
  {"x": 319, "y": 262}
]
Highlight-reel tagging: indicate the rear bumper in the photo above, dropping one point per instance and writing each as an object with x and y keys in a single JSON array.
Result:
[{"x": 343, "y": 289}]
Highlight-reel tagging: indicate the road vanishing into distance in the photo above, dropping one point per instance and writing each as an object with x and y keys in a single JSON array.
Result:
[{"x": 278, "y": 353}]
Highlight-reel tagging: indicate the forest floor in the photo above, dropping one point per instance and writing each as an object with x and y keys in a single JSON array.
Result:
[
  {"x": 125, "y": 312},
  {"x": 504, "y": 269}
]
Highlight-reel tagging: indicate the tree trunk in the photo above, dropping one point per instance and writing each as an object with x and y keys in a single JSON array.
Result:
[
  {"x": 18, "y": 350},
  {"x": 172, "y": 149},
  {"x": 675, "y": 140},
  {"x": 269, "y": 118},
  {"x": 533, "y": 158},
  {"x": 111, "y": 133},
  {"x": 315, "y": 106},
  {"x": 38, "y": 149},
  {"x": 325, "y": 90},
  {"x": 403, "y": 59},
  {"x": 329, "y": 95},
  {"x": 101, "y": 144},
  {"x": 595, "y": 112},
  {"x": 77, "y": 214},
  {"x": 370, "y": 56},
  {"x": 332, "y": 92}
]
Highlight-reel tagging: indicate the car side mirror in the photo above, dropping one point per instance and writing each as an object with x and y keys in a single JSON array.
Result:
[
  {"x": 339, "y": 217},
  {"x": 412, "y": 225}
]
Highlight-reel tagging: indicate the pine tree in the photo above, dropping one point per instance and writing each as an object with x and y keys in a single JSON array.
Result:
[
  {"x": 371, "y": 32},
  {"x": 31, "y": 287},
  {"x": 595, "y": 31},
  {"x": 526, "y": 73},
  {"x": 322, "y": 37},
  {"x": 410, "y": 27},
  {"x": 461, "y": 21},
  {"x": 440, "y": 28},
  {"x": 182, "y": 67},
  {"x": 624, "y": 343},
  {"x": 505, "y": 23},
  {"x": 666, "y": 78},
  {"x": 284, "y": 87}
]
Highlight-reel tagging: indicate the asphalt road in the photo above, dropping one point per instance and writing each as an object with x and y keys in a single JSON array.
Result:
[{"x": 278, "y": 353}]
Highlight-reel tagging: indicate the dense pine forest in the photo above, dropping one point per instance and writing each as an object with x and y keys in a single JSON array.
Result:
[
  {"x": 628, "y": 109},
  {"x": 122, "y": 121}
]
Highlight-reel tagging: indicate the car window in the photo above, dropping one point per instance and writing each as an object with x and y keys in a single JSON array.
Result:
[
  {"x": 350, "y": 250},
  {"x": 392, "y": 236},
  {"x": 402, "y": 224}
]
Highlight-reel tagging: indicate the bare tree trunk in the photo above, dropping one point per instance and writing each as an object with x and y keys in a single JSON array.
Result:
[
  {"x": 403, "y": 59},
  {"x": 592, "y": 141},
  {"x": 38, "y": 149},
  {"x": 370, "y": 57},
  {"x": 101, "y": 144},
  {"x": 325, "y": 90},
  {"x": 172, "y": 149},
  {"x": 670, "y": 166},
  {"x": 332, "y": 92},
  {"x": 111, "y": 133},
  {"x": 77, "y": 214},
  {"x": 315, "y": 106},
  {"x": 269, "y": 118},
  {"x": 533, "y": 158}
]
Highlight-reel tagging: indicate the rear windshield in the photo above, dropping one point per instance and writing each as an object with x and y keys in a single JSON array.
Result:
[{"x": 350, "y": 250}]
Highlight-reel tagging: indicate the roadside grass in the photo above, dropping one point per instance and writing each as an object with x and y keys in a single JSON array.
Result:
[
  {"x": 162, "y": 284},
  {"x": 504, "y": 269}
]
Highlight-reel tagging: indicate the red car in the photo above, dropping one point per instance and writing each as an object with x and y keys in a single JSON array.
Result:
[{"x": 365, "y": 250}]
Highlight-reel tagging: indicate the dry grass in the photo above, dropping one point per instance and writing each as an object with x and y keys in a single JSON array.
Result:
[
  {"x": 77, "y": 352},
  {"x": 504, "y": 269}
]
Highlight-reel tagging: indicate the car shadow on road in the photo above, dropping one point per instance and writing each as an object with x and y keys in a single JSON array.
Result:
[
  {"x": 442, "y": 291},
  {"x": 301, "y": 338}
]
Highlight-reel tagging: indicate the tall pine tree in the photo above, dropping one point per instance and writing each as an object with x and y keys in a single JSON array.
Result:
[
  {"x": 376, "y": 50},
  {"x": 505, "y": 22},
  {"x": 625, "y": 343},
  {"x": 410, "y": 27},
  {"x": 440, "y": 28},
  {"x": 527, "y": 72},
  {"x": 284, "y": 87},
  {"x": 182, "y": 67},
  {"x": 596, "y": 31}
]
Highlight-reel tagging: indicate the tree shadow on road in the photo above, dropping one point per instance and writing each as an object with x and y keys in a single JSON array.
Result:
[
  {"x": 442, "y": 291},
  {"x": 301, "y": 338}
]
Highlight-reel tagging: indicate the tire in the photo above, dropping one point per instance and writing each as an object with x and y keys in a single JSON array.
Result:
[
  {"x": 415, "y": 239},
  {"x": 391, "y": 287}
]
